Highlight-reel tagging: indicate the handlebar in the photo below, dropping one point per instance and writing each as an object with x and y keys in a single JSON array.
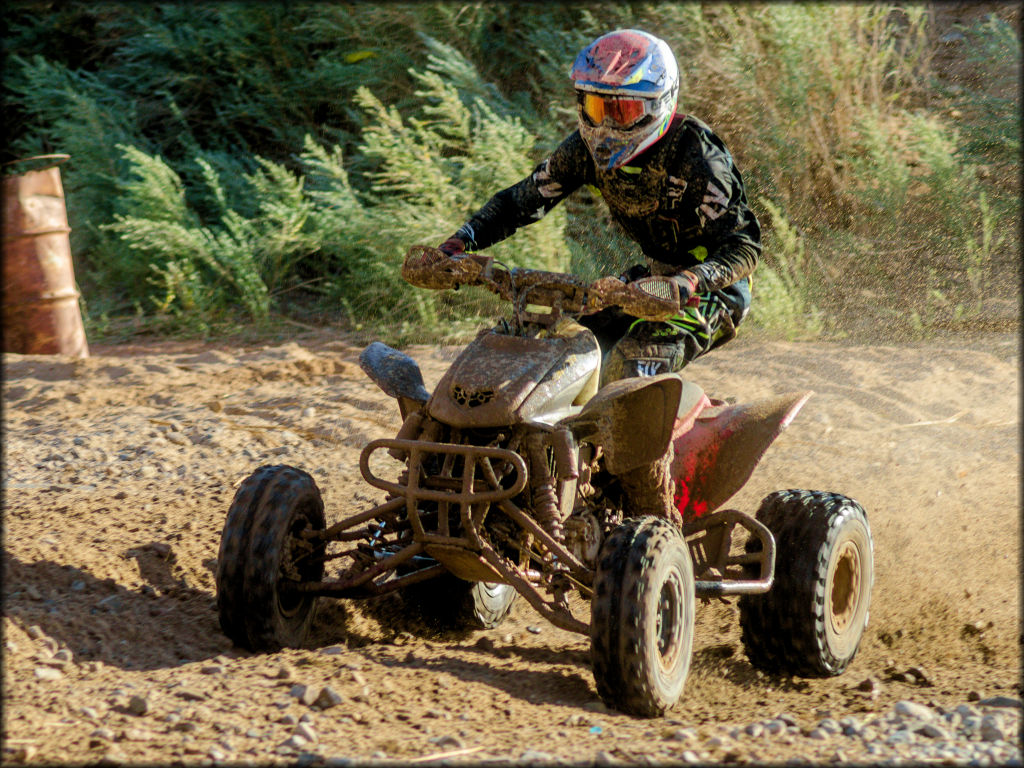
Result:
[{"x": 651, "y": 298}]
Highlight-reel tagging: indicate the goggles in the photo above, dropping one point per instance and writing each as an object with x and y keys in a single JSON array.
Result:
[{"x": 624, "y": 111}]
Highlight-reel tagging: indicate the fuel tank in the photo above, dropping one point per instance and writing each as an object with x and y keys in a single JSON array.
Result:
[{"x": 503, "y": 379}]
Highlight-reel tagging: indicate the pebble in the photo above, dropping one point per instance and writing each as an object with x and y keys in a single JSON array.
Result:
[
  {"x": 48, "y": 673},
  {"x": 1004, "y": 702},
  {"x": 912, "y": 709},
  {"x": 138, "y": 705},
  {"x": 449, "y": 741},
  {"x": 327, "y": 698},
  {"x": 534, "y": 756}
]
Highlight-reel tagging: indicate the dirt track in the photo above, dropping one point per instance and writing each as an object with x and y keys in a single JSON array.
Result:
[{"x": 119, "y": 469}]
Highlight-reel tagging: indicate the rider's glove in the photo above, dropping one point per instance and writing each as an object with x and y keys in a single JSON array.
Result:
[
  {"x": 453, "y": 246},
  {"x": 687, "y": 282}
]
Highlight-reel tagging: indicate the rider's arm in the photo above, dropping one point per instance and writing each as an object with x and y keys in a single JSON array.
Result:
[
  {"x": 529, "y": 200},
  {"x": 728, "y": 247}
]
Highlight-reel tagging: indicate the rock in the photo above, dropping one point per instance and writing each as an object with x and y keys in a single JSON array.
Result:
[
  {"x": 973, "y": 696},
  {"x": 966, "y": 710},
  {"x": 327, "y": 698},
  {"x": 933, "y": 732},
  {"x": 1003, "y": 702},
  {"x": 911, "y": 709},
  {"x": 774, "y": 727},
  {"x": 533, "y": 630},
  {"x": 293, "y": 742},
  {"x": 285, "y": 672},
  {"x": 189, "y": 694},
  {"x": 48, "y": 673},
  {"x": 212, "y": 669},
  {"x": 104, "y": 734},
  {"x": 138, "y": 705},
  {"x": 754, "y": 730},
  {"x": 919, "y": 676},
  {"x": 830, "y": 726},
  {"x": 136, "y": 734},
  {"x": 818, "y": 734},
  {"x": 89, "y": 712},
  {"x": 333, "y": 650},
  {"x": 533, "y": 756},
  {"x": 288, "y": 719},
  {"x": 850, "y": 726},
  {"x": 992, "y": 729},
  {"x": 305, "y": 730},
  {"x": 448, "y": 740},
  {"x": 307, "y": 694},
  {"x": 689, "y": 756},
  {"x": 868, "y": 684}
]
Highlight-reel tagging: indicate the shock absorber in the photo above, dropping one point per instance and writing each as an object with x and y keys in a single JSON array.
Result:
[{"x": 542, "y": 488}]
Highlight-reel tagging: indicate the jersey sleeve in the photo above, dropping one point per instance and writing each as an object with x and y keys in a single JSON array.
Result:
[
  {"x": 730, "y": 240},
  {"x": 529, "y": 200}
]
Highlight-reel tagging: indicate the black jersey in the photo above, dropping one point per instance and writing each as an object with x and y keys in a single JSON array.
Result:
[{"x": 682, "y": 200}]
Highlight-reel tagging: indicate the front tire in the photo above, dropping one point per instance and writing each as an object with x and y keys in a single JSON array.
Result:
[
  {"x": 263, "y": 556},
  {"x": 812, "y": 620},
  {"x": 642, "y": 615}
]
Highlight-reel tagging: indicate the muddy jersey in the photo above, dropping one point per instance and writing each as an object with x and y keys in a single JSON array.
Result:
[{"x": 683, "y": 201}]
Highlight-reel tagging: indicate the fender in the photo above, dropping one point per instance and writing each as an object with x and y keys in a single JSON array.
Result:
[
  {"x": 717, "y": 448},
  {"x": 631, "y": 419},
  {"x": 396, "y": 373}
]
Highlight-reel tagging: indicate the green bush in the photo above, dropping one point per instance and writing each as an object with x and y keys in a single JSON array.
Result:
[{"x": 239, "y": 160}]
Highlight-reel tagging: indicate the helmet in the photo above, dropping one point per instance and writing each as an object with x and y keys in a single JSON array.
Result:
[{"x": 627, "y": 84}]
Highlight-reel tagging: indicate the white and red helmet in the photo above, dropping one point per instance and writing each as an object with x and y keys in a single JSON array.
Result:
[{"x": 627, "y": 85}]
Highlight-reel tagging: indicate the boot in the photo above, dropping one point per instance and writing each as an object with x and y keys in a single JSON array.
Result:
[{"x": 648, "y": 490}]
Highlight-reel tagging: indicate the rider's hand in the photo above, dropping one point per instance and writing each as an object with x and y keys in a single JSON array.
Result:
[
  {"x": 453, "y": 246},
  {"x": 687, "y": 282}
]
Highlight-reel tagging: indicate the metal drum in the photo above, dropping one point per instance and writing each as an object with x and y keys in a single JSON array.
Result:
[{"x": 41, "y": 315}]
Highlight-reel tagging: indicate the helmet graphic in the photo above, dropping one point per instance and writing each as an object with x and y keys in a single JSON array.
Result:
[{"x": 627, "y": 83}]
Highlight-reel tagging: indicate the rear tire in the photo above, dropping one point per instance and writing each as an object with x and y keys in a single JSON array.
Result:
[
  {"x": 452, "y": 603},
  {"x": 642, "y": 615},
  {"x": 263, "y": 556},
  {"x": 812, "y": 620}
]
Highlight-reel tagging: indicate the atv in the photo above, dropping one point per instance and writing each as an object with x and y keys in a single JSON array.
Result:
[{"x": 504, "y": 482}]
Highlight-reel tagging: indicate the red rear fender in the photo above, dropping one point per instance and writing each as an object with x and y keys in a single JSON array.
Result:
[{"x": 717, "y": 448}]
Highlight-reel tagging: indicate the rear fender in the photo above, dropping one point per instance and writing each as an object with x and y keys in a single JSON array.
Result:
[
  {"x": 631, "y": 419},
  {"x": 717, "y": 448},
  {"x": 396, "y": 373}
]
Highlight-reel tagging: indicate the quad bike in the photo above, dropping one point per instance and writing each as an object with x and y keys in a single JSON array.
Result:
[{"x": 506, "y": 483}]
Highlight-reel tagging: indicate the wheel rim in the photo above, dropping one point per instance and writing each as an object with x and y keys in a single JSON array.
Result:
[
  {"x": 296, "y": 567},
  {"x": 845, "y": 594},
  {"x": 669, "y": 625}
]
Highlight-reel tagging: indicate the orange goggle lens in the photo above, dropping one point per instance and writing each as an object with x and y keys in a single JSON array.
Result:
[{"x": 622, "y": 111}]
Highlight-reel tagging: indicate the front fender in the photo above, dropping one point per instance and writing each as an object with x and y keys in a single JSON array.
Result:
[
  {"x": 631, "y": 419},
  {"x": 716, "y": 451}
]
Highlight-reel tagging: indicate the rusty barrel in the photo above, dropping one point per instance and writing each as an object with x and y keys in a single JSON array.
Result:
[{"x": 41, "y": 315}]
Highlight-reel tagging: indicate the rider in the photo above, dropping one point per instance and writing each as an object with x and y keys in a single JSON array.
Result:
[{"x": 671, "y": 184}]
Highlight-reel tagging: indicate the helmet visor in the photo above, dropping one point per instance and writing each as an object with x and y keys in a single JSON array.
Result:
[{"x": 623, "y": 111}]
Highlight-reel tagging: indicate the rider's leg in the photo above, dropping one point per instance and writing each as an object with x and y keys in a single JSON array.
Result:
[{"x": 650, "y": 348}]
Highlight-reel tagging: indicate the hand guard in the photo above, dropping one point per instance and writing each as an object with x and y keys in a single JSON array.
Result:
[{"x": 427, "y": 267}]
